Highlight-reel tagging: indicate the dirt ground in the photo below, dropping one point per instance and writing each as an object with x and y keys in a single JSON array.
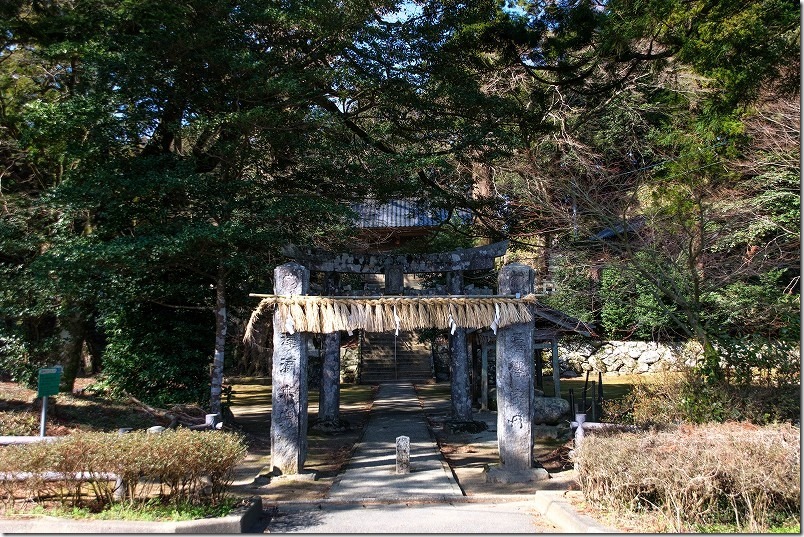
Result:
[
  {"x": 466, "y": 453},
  {"x": 327, "y": 453}
]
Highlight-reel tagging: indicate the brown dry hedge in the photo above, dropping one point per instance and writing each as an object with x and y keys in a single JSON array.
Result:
[
  {"x": 697, "y": 475},
  {"x": 181, "y": 466}
]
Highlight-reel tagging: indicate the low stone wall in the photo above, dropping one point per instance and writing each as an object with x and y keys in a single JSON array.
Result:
[{"x": 626, "y": 357}]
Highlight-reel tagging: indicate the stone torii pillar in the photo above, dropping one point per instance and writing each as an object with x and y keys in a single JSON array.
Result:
[
  {"x": 289, "y": 379},
  {"x": 330, "y": 392},
  {"x": 515, "y": 389},
  {"x": 461, "y": 395}
]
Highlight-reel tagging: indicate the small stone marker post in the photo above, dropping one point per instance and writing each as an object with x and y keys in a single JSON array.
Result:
[
  {"x": 403, "y": 454},
  {"x": 515, "y": 377},
  {"x": 289, "y": 379}
]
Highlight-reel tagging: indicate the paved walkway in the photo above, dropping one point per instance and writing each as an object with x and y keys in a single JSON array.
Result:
[
  {"x": 369, "y": 497},
  {"x": 371, "y": 472}
]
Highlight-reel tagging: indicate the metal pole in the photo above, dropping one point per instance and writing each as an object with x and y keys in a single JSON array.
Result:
[
  {"x": 600, "y": 392},
  {"x": 44, "y": 415}
]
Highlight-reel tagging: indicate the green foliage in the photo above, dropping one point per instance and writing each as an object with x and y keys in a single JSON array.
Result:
[
  {"x": 629, "y": 307},
  {"x": 19, "y": 423},
  {"x": 574, "y": 290},
  {"x": 158, "y": 354},
  {"x": 156, "y": 153},
  {"x": 150, "y": 510}
]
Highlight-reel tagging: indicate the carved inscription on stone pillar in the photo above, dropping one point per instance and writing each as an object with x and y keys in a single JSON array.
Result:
[
  {"x": 515, "y": 378},
  {"x": 289, "y": 380}
]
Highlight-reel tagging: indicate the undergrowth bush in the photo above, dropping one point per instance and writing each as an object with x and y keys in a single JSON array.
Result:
[
  {"x": 697, "y": 476},
  {"x": 685, "y": 397},
  {"x": 180, "y": 466},
  {"x": 19, "y": 423}
]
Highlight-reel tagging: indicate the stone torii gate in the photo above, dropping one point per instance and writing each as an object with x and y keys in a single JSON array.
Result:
[
  {"x": 515, "y": 380},
  {"x": 394, "y": 267}
]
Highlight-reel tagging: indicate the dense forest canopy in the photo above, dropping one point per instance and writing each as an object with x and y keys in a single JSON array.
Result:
[{"x": 157, "y": 155}]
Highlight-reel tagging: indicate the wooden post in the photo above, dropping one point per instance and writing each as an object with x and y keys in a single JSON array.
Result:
[
  {"x": 556, "y": 372},
  {"x": 289, "y": 379}
]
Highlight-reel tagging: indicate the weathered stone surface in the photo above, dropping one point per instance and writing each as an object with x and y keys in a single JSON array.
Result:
[
  {"x": 649, "y": 357},
  {"x": 394, "y": 280},
  {"x": 561, "y": 431},
  {"x": 515, "y": 378},
  {"x": 403, "y": 454},
  {"x": 502, "y": 474},
  {"x": 330, "y": 391},
  {"x": 626, "y": 357},
  {"x": 289, "y": 380},
  {"x": 479, "y": 258},
  {"x": 460, "y": 385},
  {"x": 550, "y": 410}
]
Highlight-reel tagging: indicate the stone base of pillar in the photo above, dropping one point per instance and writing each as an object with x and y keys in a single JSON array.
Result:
[
  {"x": 277, "y": 478},
  {"x": 498, "y": 473},
  {"x": 331, "y": 426},
  {"x": 462, "y": 426}
]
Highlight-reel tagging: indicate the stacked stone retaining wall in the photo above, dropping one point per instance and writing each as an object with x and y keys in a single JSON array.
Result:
[{"x": 626, "y": 357}]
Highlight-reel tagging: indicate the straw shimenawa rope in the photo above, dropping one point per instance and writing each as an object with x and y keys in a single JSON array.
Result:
[{"x": 318, "y": 314}]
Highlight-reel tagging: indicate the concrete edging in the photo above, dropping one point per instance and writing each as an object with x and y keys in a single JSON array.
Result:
[
  {"x": 554, "y": 508},
  {"x": 234, "y": 523}
]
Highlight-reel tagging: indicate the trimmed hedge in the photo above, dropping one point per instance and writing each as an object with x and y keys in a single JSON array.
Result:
[{"x": 181, "y": 466}]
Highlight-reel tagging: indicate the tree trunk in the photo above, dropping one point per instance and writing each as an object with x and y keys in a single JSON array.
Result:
[
  {"x": 220, "y": 343},
  {"x": 72, "y": 343},
  {"x": 483, "y": 191}
]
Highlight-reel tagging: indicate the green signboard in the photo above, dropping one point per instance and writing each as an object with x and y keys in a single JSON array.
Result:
[{"x": 49, "y": 379}]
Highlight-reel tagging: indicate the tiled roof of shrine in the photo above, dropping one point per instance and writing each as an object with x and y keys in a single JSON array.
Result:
[{"x": 402, "y": 214}]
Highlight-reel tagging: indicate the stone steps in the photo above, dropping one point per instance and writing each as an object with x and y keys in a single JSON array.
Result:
[{"x": 412, "y": 361}]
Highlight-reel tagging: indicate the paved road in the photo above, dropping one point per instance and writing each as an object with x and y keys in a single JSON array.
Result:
[
  {"x": 369, "y": 497},
  {"x": 442, "y": 517}
]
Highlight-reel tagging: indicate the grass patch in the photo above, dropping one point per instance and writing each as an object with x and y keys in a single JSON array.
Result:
[
  {"x": 152, "y": 510},
  {"x": 67, "y": 413}
]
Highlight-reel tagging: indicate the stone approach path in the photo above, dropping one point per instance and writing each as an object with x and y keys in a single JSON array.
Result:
[
  {"x": 371, "y": 472},
  {"x": 369, "y": 497}
]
